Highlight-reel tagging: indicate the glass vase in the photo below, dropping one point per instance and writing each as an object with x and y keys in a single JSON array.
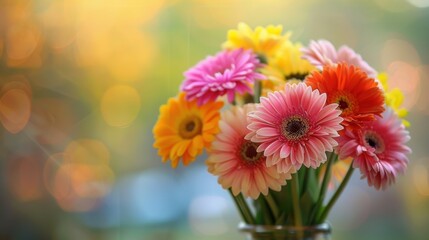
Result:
[{"x": 282, "y": 232}]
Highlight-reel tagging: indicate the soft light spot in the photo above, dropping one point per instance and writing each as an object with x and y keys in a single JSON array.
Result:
[
  {"x": 18, "y": 106},
  {"x": 422, "y": 104},
  {"x": 17, "y": 10},
  {"x": 77, "y": 186},
  {"x": 114, "y": 37},
  {"x": 22, "y": 40},
  {"x": 406, "y": 77},
  {"x": 205, "y": 215},
  {"x": 93, "y": 47},
  {"x": 120, "y": 105},
  {"x": 24, "y": 177},
  {"x": 419, "y": 3},
  {"x": 393, "y": 5},
  {"x": 92, "y": 181},
  {"x": 16, "y": 81},
  {"x": 87, "y": 151},
  {"x": 52, "y": 120},
  {"x": 62, "y": 184},
  {"x": 33, "y": 61},
  {"x": 129, "y": 12},
  {"x": 132, "y": 57},
  {"x": 59, "y": 19},
  {"x": 421, "y": 179},
  {"x": 399, "y": 50},
  {"x": 15, "y": 110},
  {"x": 23, "y": 45}
]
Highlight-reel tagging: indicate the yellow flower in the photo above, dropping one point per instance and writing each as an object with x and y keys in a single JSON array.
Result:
[
  {"x": 275, "y": 80},
  {"x": 394, "y": 98},
  {"x": 285, "y": 66},
  {"x": 263, "y": 41},
  {"x": 184, "y": 129},
  {"x": 288, "y": 60}
]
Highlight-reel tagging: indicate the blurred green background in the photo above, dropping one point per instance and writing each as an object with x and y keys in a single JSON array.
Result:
[{"x": 92, "y": 74}]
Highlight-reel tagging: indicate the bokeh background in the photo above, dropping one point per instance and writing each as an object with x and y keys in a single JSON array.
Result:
[{"x": 85, "y": 79}]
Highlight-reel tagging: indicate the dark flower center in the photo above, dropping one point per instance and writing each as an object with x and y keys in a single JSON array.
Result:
[
  {"x": 295, "y": 127},
  {"x": 190, "y": 127},
  {"x": 296, "y": 76},
  {"x": 346, "y": 103},
  {"x": 343, "y": 104},
  {"x": 248, "y": 152},
  {"x": 374, "y": 140},
  {"x": 251, "y": 152},
  {"x": 262, "y": 58},
  {"x": 371, "y": 142}
]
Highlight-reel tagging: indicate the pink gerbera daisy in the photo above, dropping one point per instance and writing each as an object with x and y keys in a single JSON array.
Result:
[
  {"x": 228, "y": 72},
  {"x": 378, "y": 149},
  {"x": 236, "y": 161},
  {"x": 295, "y": 127},
  {"x": 321, "y": 53}
]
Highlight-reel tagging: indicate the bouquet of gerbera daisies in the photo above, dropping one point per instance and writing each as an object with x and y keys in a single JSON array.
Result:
[{"x": 282, "y": 122}]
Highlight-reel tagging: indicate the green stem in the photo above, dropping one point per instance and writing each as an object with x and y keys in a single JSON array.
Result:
[
  {"x": 336, "y": 194},
  {"x": 263, "y": 213},
  {"x": 295, "y": 200},
  {"x": 305, "y": 180},
  {"x": 325, "y": 182},
  {"x": 257, "y": 91},
  {"x": 237, "y": 204},
  {"x": 244, "y": 208},
  {"x": 273, "y": 206}
]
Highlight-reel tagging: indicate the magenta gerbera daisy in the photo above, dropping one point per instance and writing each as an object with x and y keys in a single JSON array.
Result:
[
  {"x": 295, "y": 127},
  {"x": 236, "y": 161},
  {"x": 227, "y": 73},
  {"x": 378, "y": 149},
  {"x": 321, "y": 53}
]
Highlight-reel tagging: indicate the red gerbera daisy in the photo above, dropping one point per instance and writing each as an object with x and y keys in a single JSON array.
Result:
[{"x": 357, "y": 95}]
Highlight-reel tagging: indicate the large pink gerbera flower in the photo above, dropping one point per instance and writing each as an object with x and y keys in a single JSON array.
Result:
[
  {"x": 321, "y": 53},
  {"x": 378, "y": 149},
  {"x": 236, "y": 161},
  {"x": 228, "y": 72},
  {"x": 295, "y": 127}
]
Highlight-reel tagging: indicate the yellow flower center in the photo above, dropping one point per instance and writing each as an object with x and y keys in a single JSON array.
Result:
[
  {"x": 190, "y": 127},
  {"x": 248, "y": 153},
  {"x": 295, "y": 127}
]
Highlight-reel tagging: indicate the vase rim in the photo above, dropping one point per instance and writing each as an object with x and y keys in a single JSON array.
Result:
[{"x": 322, "y": 227}]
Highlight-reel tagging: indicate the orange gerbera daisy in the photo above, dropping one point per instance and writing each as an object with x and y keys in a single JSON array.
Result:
[
  {"x": 357, "y": 95},
  {"x": 184, "y": 129}
]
